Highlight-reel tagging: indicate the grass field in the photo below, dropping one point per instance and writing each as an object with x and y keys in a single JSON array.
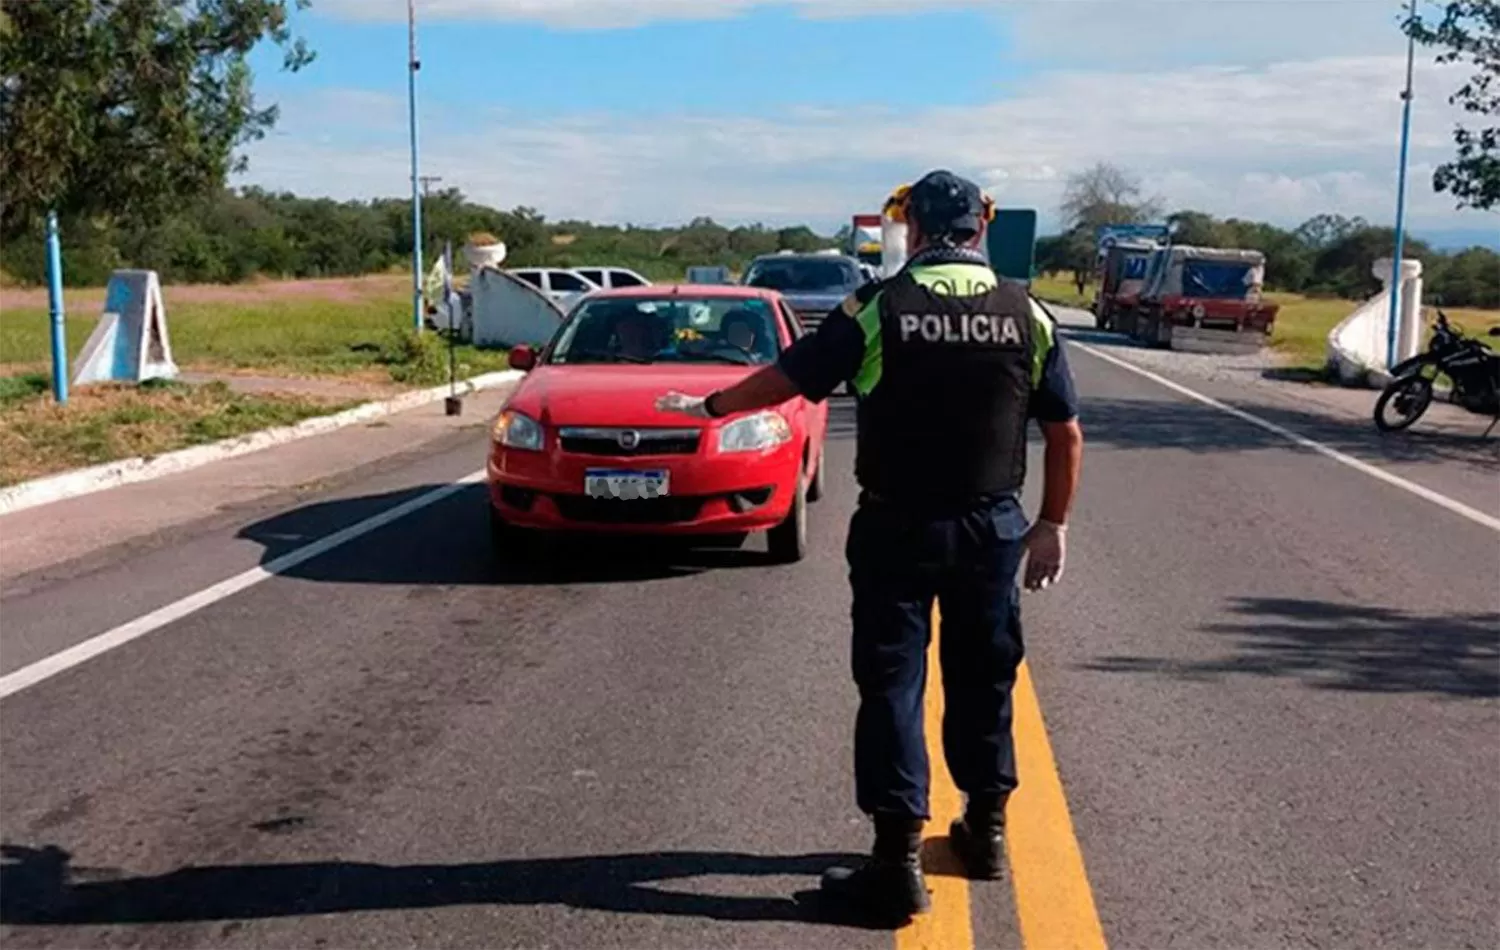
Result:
[
  {"x": 105, "y": 423},
  {"x": 1300, "y": 337},
  {"x": 295, "y": 328}
]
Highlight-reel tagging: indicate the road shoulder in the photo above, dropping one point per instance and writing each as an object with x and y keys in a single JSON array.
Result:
[{"x": 151, "y": 513}]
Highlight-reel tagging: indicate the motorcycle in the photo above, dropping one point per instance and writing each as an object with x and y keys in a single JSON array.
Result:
[{"x": 1470, "y": 364}]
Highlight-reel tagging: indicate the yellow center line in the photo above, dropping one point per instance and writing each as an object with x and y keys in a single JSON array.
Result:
[{"x": 1054, "y": 902}]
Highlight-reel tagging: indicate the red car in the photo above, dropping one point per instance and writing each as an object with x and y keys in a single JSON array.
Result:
[{"x": 581, "y": 447}]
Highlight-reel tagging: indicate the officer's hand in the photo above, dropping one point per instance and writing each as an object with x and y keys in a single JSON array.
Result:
[
  {"x": 1046, "y": 545},
  {"x": 683, "y": 403}
]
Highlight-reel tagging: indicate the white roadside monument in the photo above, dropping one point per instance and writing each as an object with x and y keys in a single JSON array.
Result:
[{"x": 130, "y": 343}]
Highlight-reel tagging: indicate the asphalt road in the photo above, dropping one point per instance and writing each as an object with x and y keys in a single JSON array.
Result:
[{"x": 1269, "y": 684}]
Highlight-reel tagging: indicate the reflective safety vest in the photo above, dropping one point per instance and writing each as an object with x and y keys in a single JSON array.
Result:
[{"x": 947, "y": 421}]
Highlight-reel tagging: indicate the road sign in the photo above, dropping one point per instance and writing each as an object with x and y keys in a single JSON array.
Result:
[{"x": 1111, "y": 234}]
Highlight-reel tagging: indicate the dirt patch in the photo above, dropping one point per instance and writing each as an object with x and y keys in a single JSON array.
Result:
[
  {"x": 365, "y": 386},
  {"x": 340, "y": 289}
]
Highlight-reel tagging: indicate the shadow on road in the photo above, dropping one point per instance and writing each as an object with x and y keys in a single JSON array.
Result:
[
  {"x": 447, "y": 543},
  {"x": 38, "y": 887},
  {"x": 1351, "y": 647},
  {"x": 1163, "y": 424}
]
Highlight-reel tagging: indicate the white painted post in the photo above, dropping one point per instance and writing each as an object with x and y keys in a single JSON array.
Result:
[{"x": 1409, "y": 340}]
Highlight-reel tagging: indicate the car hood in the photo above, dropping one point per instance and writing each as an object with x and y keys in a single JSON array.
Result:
[{"x": 616, "y": 394}]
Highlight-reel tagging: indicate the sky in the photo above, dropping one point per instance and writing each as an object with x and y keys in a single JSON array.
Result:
[{"x": 809, "y": 111}]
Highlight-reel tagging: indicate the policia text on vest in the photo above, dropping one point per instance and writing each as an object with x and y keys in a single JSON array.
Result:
[{"x": 961, "y": 328}]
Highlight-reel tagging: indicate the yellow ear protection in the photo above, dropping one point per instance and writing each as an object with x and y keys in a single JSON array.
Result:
[{"x": 896, "y": 205}]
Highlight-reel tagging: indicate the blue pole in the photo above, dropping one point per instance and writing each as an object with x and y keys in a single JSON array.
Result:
[
  {"x": 416, "y": 192},
  {"x": 1390, "y": 336},
  {"x": 55, "y": 303}
]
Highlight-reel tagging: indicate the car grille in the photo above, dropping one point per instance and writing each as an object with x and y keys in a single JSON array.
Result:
[
  {"x": 667, "y": 510},
  {"x": 613, "y": 441}
]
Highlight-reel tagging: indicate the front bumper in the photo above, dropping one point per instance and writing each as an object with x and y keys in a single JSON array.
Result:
[
  {"x": 708, "y": 493},
  {"x": 1199, "y": 340}
]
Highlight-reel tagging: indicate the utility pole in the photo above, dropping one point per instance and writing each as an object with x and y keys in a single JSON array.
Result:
[
  {"x": 427, "y": 182},
  {"x": 416, "y": 193},
  {"x": 1390, "y": 337}
]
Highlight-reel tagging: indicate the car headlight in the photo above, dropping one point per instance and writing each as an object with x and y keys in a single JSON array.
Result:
[
  {"x": 764, "y": 430},
  {"x": 516, "y": 430}
]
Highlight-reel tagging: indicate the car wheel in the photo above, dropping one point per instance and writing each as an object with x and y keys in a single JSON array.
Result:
[
  {"x": 787, "y": 542},
  {"x": 819, "y": 484}
]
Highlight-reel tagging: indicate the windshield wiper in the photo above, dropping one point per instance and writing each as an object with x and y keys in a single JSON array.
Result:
[
  {"x": 603, "y": 357},
  {"x": 723, "y": 358}
]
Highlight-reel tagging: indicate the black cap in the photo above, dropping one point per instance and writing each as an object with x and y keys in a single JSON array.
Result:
[{"x": 943, "y": 203}]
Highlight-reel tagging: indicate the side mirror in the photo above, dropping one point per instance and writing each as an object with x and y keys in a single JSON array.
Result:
[{"x": 522, "y": 357}]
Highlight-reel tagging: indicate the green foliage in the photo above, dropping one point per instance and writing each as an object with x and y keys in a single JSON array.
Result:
[
  {"x": 14, "y": 389},
  {"x": 230, "y": 236},
  {"x": 415, "y": 358},
  {"x": 233, "y": 236},
  {"x": 126, "y": 110},
  {"x": 1469, "y": 31}
]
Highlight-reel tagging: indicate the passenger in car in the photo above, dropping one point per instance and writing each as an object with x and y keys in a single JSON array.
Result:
[{"x": 745, "y": 330}]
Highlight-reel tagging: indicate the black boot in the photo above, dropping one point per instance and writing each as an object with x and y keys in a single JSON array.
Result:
[
  {"x": 889, "y": 885},
  {"x": 978, "y": 838}
]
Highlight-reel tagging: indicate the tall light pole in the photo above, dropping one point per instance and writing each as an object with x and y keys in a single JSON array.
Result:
[
  {"x": 1390, "y": 336},
  {"x": 416, "y": 189}
]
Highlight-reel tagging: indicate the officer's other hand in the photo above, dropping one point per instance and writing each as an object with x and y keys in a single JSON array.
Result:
[
  {"x": 1046, "y": 549},
  {"x": 683, "y": 403}
]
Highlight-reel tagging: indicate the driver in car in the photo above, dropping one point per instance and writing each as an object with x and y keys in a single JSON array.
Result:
[{"x": 639, "y": 334}]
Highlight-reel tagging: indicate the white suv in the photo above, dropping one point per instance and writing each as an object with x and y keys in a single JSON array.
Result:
[
  {"x": 563, "y": 286},
  {"x": 612, "y": 276}
]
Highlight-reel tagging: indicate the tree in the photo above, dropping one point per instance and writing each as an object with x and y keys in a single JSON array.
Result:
[
  {"x": 1324, "y": 230},
  {"x": 1106, "y": 194},
  {"x": 128, "y": 108},
  {"x": 1101, "y": 195},
  {"x": 1469, "y": 31}
]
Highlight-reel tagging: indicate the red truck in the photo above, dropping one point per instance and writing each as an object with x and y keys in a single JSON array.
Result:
[{"x": 1205, "y": 300}]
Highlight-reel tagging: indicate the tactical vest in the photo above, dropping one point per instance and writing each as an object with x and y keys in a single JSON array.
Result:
[{"x": 947, "y": 422}]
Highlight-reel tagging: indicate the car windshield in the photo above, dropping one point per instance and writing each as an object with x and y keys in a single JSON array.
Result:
[
  {"x": 669, "y": 329},
  {"x": 1221, "y": 279},
  {"x": 803, "y": 275}
]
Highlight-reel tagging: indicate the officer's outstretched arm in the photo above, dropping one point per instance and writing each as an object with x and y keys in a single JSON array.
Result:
[{"x": 768, "y": 386}]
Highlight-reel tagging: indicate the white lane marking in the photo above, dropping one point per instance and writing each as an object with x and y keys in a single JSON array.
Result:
[
  {"x": 34, "y": 673},
  {"x": 1442, "y": 501}
]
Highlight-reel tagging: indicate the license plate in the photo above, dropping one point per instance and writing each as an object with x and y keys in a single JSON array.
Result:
[{"x": 624, "y": 483}]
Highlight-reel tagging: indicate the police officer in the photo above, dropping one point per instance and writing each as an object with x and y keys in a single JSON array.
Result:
[{"x": 947, "y": 363}]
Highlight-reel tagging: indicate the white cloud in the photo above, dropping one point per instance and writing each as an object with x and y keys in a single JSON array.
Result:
[
  {"x": 1155, "y": 34},
  {"x": 1279, "y": 143}
]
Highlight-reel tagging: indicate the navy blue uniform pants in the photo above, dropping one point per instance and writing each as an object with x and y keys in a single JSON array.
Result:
[{"x": 899, "y": 562}]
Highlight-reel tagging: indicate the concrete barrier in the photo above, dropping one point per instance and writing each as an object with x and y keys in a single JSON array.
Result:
[{"x": 1357, "y": 346}]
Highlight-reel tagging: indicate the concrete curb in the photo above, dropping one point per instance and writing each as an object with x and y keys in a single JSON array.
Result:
[{"x": 84, "y": 481}]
